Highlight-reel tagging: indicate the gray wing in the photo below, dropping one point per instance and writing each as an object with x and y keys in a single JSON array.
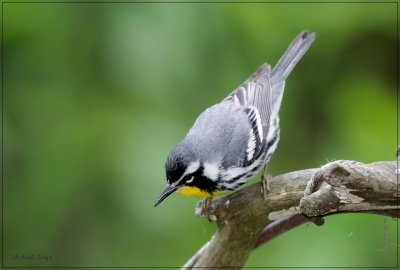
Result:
[
  {"x": 255, "y": 94},
  {"x": 262, "y": 92},
  {"x": 256, "y": 91},
  {"x": 264, "y": 89}
]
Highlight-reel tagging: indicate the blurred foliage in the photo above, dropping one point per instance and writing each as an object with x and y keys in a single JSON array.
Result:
[{"x": 96, "y": 95}]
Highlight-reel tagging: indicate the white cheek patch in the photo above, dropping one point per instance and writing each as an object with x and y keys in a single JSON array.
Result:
[{"x": 211, "y": 170}]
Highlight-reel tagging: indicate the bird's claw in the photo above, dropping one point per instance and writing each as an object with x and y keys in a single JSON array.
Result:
[{"x": 205, "y": 208}]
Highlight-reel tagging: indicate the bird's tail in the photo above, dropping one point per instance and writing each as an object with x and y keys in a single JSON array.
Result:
[
  {"x": 288, "y": 61},
  {"x": 293, "y": 54}
]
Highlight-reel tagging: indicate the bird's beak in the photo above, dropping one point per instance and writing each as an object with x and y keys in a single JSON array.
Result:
[{"x": 168, "y": 190}]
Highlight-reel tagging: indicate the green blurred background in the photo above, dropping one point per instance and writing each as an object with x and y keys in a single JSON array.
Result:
[{"x": 96, "y": 95}]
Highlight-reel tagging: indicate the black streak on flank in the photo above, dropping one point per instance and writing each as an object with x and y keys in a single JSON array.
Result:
[
  {"x": 273, "y": 140},
  {"x": 269, "y": 144}
]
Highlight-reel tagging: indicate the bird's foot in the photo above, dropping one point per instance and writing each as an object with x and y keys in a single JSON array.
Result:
[{"x": 205, "y": 209}]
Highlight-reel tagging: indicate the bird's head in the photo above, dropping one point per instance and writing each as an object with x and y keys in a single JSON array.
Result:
[{"x": 184, "y": 173}]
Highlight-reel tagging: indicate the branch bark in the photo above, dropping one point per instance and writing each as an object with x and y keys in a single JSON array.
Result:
[{"x": 245, "y": 220}]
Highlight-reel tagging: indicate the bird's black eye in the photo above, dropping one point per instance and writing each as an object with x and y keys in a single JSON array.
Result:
[{"x": 187, "y": 178}]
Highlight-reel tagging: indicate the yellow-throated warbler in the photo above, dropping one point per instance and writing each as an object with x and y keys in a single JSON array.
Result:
[{"x": 232, "y": 140}]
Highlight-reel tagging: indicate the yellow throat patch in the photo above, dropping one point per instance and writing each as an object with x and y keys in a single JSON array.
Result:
[{"x": 196, "y": 192}]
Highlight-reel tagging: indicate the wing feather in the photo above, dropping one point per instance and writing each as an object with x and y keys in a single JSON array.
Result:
[
  {"x": 261, "y": 95},
  {"x": 256, "y": 92},
  {"x": 256, "y": 138}
]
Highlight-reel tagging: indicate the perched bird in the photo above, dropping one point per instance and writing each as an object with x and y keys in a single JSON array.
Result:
[{"x": 231, "y": 141}]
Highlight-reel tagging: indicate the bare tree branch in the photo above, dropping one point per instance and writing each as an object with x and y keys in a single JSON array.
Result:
[
  {"x": 245, "y": 220},
  {"x": 280, "y": 226}
]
